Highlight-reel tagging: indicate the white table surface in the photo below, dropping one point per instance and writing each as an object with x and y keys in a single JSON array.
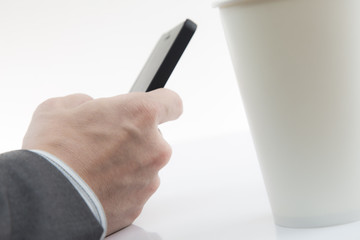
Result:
[{"x": 212, "y": 189}]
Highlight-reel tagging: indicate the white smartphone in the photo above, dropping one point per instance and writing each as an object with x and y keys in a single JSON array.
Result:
[{"x": 164, "y": 57}]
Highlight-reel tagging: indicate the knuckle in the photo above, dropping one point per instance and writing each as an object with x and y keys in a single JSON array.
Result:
[
  {"x": 154, "y": 185},
  {"x": 48, "y": 104},
  {"x": 64, "y": 102},
  {"x": 75, "y": 100},
  {"x": 81, "y": 96},
  {"x": 163, "y": 155}
]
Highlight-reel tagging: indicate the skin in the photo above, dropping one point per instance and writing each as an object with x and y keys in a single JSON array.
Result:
[{"x": 113, "y": 143}]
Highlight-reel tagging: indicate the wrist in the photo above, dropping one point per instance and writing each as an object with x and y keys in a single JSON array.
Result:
[{"x": 80, "y": 185}]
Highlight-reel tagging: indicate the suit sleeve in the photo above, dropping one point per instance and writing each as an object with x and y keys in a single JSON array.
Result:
[{"x": 38, "y": 202}]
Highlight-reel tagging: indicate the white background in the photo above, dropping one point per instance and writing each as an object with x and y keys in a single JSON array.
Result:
[{"x": 55, "y": 48}]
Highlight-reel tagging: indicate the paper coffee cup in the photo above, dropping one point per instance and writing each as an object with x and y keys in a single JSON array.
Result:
[{"x": 298, "y": 67}]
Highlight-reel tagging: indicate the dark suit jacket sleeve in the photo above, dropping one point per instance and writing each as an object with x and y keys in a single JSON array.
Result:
[{"x": 38, "y": 202}]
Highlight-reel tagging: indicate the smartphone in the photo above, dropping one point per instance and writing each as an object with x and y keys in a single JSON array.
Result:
[{"x": 164, "y": 57}]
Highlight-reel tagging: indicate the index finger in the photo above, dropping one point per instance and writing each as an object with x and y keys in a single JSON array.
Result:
[{"x": 168, "y": 104}]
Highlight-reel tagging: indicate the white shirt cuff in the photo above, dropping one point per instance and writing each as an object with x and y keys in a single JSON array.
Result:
[{"x": 80, "y": 185}]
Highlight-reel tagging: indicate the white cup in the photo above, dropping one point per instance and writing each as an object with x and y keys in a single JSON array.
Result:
[{"x": 298, "y": 67}]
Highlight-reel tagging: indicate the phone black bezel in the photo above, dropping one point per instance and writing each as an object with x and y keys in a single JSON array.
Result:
[
  {"x": 167, "y": 64},
  {"x": 173, "y": 56}
]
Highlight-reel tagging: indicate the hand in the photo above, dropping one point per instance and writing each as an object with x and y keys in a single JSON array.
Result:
[{"x": 113, "y": 143}]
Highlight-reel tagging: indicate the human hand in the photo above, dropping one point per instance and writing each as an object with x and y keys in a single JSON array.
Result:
[{"x": 113, "y": 143}]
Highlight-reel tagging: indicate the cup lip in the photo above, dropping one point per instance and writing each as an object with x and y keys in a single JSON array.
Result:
[{"x": 227, "y": 3}]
